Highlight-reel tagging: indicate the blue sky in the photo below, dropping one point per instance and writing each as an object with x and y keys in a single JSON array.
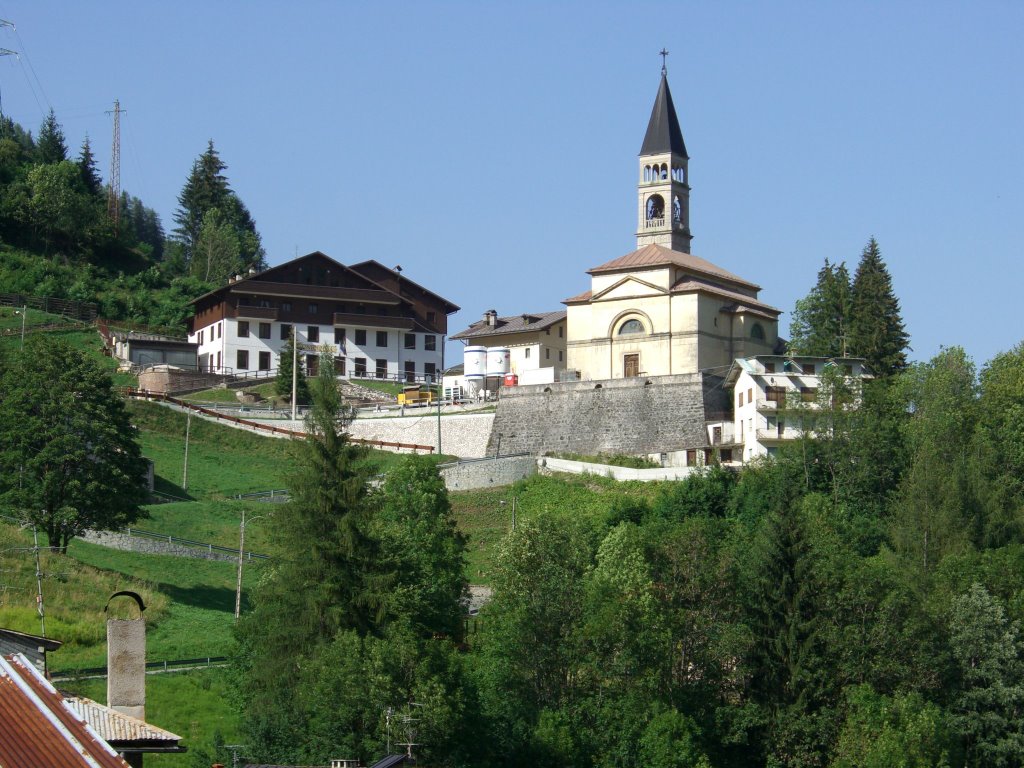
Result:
[{"x": 490, "y": 148}]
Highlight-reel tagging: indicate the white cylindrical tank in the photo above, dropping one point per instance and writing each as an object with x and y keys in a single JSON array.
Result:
[
  {"x": 499, "y": 361},
  {"x": 474, "y": 361},
  {"x": 474, "y": 384}
]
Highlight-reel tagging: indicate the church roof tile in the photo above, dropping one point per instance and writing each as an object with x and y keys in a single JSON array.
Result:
[{"x": 654, "y": 255}]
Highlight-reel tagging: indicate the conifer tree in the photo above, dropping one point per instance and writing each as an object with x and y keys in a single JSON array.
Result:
[
  {"x": 50, "y": 145},
  {"x": 876, "y": 328},
  {"x": 283, "y": 382},
  {"x": 820, "y": 321},
  {"x": 87, "y": 167},
  {"x": 207, "y": 188}
]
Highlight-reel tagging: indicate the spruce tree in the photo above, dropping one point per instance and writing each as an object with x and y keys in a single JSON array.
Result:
[
  {"x": 820, "y": 321},
  {"x": 876, "y": 328},
  {"x": 207, "y": 188},
  {"x": 50, "y": 145},
  {"x": 283, "y": 382},
  {"x": 87, "y": 167}
]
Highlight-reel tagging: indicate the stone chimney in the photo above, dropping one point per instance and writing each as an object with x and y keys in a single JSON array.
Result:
[
  {"x": 491, "y": 317},
  {"x": 126, "y": 661}
]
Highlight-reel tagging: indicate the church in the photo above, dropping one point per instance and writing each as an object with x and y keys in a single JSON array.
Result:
[{"x": 660, "y": 310}]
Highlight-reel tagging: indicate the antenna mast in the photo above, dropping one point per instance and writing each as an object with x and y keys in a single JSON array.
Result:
[{"x": 114, "y": 197}]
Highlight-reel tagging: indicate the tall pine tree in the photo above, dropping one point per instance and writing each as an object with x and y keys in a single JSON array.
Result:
[
  {"x": 207, "y": 188},
  {"x": 87, "y": 167},
  {"x": 50, "y": 146},
  {"x": 820, "y": 321},
  {"x": 876, "y": 328}
]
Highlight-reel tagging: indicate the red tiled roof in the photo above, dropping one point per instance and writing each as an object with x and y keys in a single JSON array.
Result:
[
  {"x": 581, "y": 298},
  {"x": 654, "y": 255},
  {"x": 37, "y": 729}
]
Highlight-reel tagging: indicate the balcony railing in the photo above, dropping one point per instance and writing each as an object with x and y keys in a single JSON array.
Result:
[
  {"x": 255, "y": 313},
  {"x": 350, "y": 319},
  {"x": 767, "y": 435}
]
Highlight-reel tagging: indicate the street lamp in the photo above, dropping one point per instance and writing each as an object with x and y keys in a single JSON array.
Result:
[
  {"x": 241, "y": 554},
  {"x": 23, "y": 312}
]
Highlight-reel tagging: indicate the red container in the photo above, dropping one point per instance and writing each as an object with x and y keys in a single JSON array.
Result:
[{"x": 511, "y": 380}]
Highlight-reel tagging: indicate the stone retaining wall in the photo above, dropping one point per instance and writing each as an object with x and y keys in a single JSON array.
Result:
[
  {"x": 153, "y": 546},
  {"x": 464, "y": 436},
  {"x": 630, "y": 416},
  {"x": 488, "y": 473}
]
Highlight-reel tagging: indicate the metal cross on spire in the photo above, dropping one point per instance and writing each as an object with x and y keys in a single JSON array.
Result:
[{"x": 664, "y": 55}]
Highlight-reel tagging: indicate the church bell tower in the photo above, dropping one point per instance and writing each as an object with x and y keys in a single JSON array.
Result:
[{"x": 664, "y": 189}]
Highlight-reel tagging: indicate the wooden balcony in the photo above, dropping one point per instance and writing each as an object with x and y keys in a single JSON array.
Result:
[
  {"x": 353, "y": 320},
  {"x": 254, "y": 313}
]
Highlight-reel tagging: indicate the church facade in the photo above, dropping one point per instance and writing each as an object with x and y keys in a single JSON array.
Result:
[{"x": 660, "y": 310}]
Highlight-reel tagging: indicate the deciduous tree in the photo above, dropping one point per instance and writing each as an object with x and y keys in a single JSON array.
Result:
[{"x": 69, "y": 459}]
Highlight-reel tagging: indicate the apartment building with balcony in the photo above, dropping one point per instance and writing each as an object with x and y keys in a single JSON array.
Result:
[
  {"x": 776, "y": 399},
  {"x": 379, "y": 323}
]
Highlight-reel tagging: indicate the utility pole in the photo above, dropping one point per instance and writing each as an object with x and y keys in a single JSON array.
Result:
[
  {"x": 188, "y": 430},
  {"x": 39, "y": 581},
  {"x": 295, "y": 367},
  {"x": 114, "y": 197},
  {"x": 241, "y": 550}
]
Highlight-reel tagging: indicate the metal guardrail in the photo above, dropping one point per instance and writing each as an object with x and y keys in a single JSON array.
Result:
[
  {"x": 127, "y": 392},
  {"x": 165, "y": 666},
  {"x": 277, "y": 495}
]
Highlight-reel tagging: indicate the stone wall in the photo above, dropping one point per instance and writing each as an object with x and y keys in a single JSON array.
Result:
[
  {"x": 169, "y": 380},
  {"x": 464, "y": 436},
  {"x": 487, "y": 473},
  {"x": 154, "y": 546},
  {"x": 629, "y": 416}
]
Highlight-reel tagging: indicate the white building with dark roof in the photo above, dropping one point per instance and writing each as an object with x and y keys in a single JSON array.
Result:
[
  {"x": 660, "y": 310},
  {"x": 777, "y": 399},
  {"x": 536, "y": 342},
  {"x": 380, "y": 323}
]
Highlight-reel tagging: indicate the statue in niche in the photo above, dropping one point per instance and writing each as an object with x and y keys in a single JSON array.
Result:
[
  {"x": 677, "y": 209},
  {"x": 655, "y": 207}
]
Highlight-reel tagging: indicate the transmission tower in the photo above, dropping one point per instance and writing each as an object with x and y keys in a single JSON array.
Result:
[
  {"x": 114, "y": 198},
  {"x": 5, "y": 52}
]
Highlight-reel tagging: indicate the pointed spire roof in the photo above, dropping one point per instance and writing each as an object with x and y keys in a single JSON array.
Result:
[{"x": 663, "y": 134}]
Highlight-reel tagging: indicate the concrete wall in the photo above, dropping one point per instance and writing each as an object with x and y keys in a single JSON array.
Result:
[
  {"x": 488, "y": 473},
  {"x": 549, "y": 464},
  {"x": 630, "y": 416},
  {"x": 463, "y": 436}
]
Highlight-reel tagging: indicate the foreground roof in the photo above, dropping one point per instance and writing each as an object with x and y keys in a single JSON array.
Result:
[
  {"x": 528, "y": 322},
  {"x": 38, "y": 729},
  {"x": 114, "y": 726},
  {"x": 654, "y": 255}
]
